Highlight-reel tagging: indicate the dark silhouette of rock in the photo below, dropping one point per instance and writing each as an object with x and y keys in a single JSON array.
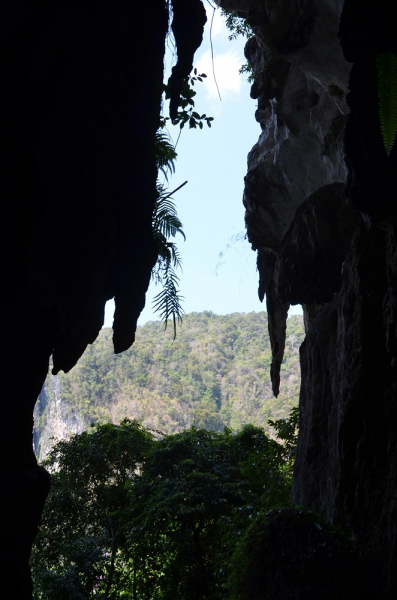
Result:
[
  {"x": 188, "y": 23},
  {"x": 347, "y": 450},
  {"x": 80, "y": 103},
  {"x": 81, "y": 89}
]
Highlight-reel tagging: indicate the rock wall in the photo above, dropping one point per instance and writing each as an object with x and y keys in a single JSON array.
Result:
[
  {"x": 320, "y": 212},
  {"x": 346, "y": 465},
  {"x": 301, "y": 81},
  {"x": 54, "y": 420},
  {"x": 81, "y": 96}
]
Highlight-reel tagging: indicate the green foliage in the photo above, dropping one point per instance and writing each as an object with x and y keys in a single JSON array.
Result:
[
  {"x": 132, "y": 516},
  {"x": 165, "y": 153},
  {"x": 239, "y": 26},
  {"x": 215, "y": 374},
  {"x": 236, "y": 25},
  {"x": 387, "y": 94},
  {"x": 165, "y": 224},
  {"x": 196, "y": 489},
  {"x": 83, "y": 548},
  {"x": 186, "y": 114},
  {"x": 287, "y": 430},
  {"x": 295, "y": 553}
]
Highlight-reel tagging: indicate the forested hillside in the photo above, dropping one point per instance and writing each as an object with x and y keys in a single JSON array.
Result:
[{"x": 215, "y": 373}]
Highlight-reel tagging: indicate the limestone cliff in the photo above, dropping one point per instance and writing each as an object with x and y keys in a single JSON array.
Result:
[
  {"x": 60, "y": 421},
  {"x": 320, "y": 212}
]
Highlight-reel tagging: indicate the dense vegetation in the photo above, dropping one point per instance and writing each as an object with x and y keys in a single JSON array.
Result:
[
  {"x": 136, "y": 515},
  {"x": 215, "y": 374}
]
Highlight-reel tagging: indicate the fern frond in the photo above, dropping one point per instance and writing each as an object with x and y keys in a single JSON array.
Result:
[
  {"x": 176, "y": 260},
  {"x": 169, "y": 302},
  {"x": 387, "y": 94},
  {"x": 165, "y": 154},
  {"x": 166, "y": 224},
  {"x": 165, "y": 217},
  {"x": 169, "y": 226}
]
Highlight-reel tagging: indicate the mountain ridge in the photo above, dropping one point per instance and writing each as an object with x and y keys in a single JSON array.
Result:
[{"x": 216, "y": 373}]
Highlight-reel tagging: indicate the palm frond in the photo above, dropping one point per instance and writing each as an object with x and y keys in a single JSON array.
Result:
[{"x": 387, "y": 94}]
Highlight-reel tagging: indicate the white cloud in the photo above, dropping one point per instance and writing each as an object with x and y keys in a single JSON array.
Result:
[
  {"x": 227, "y": 75},
  {"x": 219, "y": 29}
]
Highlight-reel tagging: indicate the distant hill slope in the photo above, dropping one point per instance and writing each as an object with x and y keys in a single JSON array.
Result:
[{"x": 215, "y": 373}]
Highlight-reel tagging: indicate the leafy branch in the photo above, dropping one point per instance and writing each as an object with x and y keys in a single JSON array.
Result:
[
  {"x": 186, "y": 114},
  {"x": 237, "y": 25}
]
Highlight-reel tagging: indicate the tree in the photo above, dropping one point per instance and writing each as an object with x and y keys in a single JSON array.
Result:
[
  {"x": 130, "y": 515},
  {"x": 195, "y": 491},
  {"x": 83, "y": 548}
]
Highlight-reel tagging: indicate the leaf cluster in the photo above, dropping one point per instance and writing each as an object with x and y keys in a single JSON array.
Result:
[
  {"x": 165, "y": 153},
  {"x": 165, "y": 222},
  {"x": 236, "y": 25},
  {"x": 186, "y": 114},
  {"x": 295, "y": 553},
  {"x": 239, "y": 26},
  {"x": 85, "y": 522}
]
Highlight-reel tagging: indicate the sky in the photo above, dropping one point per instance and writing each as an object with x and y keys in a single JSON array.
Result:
[{"x": 219, "y": 268}]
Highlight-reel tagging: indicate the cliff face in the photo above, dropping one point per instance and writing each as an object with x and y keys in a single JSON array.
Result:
[
  {"x": 301, "y": 81},
  {"x": 60, "y": 421},
  {"x": 346, "y": 464},
  {"x": 319, "y": 200}
]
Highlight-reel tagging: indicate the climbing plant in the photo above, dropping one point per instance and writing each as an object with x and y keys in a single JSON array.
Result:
[
  {"x": 387, "y": 96},
  {"x": 186, "y": 112}
]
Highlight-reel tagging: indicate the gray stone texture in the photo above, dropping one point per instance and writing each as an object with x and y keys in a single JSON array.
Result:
[{"x": 320, "y": 212}]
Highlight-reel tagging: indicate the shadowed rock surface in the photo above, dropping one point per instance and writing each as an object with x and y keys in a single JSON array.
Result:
[
  {"x": 301, "y": 80},
  {"x": 309, "y": 265},
  {"x": 81, "y": 91},
  {"x": 346, "y": 464},
  {"x": 320, "y": 212}
]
